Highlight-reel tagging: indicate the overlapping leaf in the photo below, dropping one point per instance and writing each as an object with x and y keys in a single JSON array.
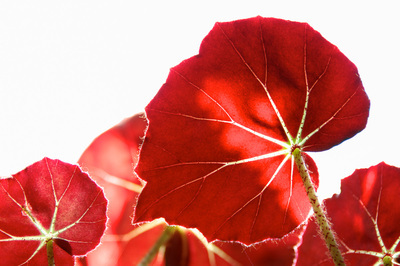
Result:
[
  {"x": 271, "y": 252},
  {"x": 217, "y": 153},
  {"x": 188, "y": 248},
  {"x": 110, "y": 159},
  {"x": 365, "y": 217},
  {"x": 49, "y": 201}
]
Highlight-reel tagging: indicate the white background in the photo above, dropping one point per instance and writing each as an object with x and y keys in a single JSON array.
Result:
[{"x": 70, "y": 70}]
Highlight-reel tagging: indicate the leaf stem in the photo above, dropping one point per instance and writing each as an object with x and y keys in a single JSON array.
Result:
[
  {"x": 387, "y": 261},
  {"x": 50, "y": 252},
  {"x": 326, "y": 231},
  {"x": 165, "y": 236}
]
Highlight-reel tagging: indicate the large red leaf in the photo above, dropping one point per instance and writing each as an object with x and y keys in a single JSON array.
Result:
[
  {"x": 217, "y": 153},
  {"x": 365, "y": 217},
  {"x": 110, "y": 159},
  {"x": 49, "y": 200}
]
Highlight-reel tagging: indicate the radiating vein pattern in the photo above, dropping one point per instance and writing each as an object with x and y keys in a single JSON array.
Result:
[
  {"x": 264, "y": 85},
  {"x": 308, "y": 89},
  {"x": 223, "y": 127},
  {"x": 259, "y": 195},
  {"x": 374, "y": 220},
  {"x": 39, "y": 217},
  {"x": 385, "y": 251}
]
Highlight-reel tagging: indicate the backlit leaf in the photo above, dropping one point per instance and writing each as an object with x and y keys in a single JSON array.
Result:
[
  {"x": 270, "y": 252},
  {"x": 49, "y": 200},
  {"x": 110, "y": 160},
  {"x": 217, "y": 153},
  {"x": 365, "y": 217}
]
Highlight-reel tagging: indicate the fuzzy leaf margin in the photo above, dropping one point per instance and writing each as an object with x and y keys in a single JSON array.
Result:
[
  {"x": 50, "y": 201},
  {"x": 217, "y": 153},
  {"x": 365, "y": 217}
]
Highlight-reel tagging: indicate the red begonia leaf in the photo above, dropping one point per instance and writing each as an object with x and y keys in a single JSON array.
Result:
[
  {"x": 365, "y": 217},
  {"x": 217, "y": 153},
  {"x": 50, "y": 200},
  {"x": 271, "y": 252},
  {"x": 110, "y": 160},
  {"x": 189, "y": 247}
]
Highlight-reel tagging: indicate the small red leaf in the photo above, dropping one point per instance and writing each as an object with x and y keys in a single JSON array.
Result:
[
  {"x": 217, "y": 153},
  {"x": 49, "y": 200},
  {"x": 365, "y": 217}
]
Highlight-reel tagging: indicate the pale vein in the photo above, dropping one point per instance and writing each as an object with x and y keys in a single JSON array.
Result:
[{"x": 261, "y": 83}]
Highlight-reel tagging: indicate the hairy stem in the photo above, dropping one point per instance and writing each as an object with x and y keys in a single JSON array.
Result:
[
  {"x": 50, "y": 252},
  {"x": 326, "y": 231},
  {"x": 165, "y": 236}
]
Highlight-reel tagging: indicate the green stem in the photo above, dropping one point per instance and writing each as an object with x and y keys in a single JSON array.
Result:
[
  {"x": 165, "y": 236},
  {"x": 326, "y": 231},
  {"x": 50, "y": 252},
  {"x": 387, "y": 261}
]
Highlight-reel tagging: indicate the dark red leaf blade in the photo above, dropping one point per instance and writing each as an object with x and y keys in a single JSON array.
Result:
[
  {"x": 270, "y": 252},
  {"x": 109, "y": 159},
  {"x": 217, "y": 153},
  {"x": 50, "y": 200},
  {"x": 365, "y": 217},
  {"x": 189, "y": 247},
  {"x": 291, "y": 210}
]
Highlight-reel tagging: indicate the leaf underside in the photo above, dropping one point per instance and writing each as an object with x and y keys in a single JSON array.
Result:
[
  {"x": 365, "y": 217},
  {"x": 110, "y": 159},
  {"x": 50, "y": 200},
  {"x": 217, "y": 153}
]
